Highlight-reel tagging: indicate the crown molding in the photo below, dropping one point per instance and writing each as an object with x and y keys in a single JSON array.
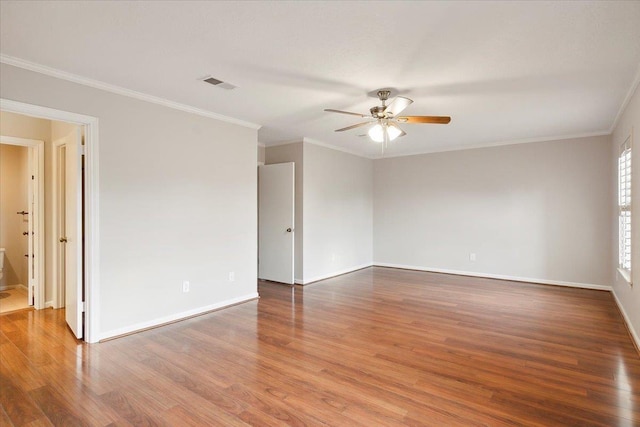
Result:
[
  {"x": 53, "y": 72},
  {"x": 319, "y": 143},
  {"x": 627, "y": 99},
  {"x": 279, "y": 143},
  {"x": 447, "y": 149},
  {"x": 336, "y": 148},
  {"x": 501, "y": 143}
]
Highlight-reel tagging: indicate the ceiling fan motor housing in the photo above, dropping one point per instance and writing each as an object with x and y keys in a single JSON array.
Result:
[
  {"x": 377, "y": 112},
  {"x": 384, "y": 95}
]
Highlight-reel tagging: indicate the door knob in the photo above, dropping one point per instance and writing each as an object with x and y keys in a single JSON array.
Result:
[
  {"x": 288, "y": 230},
  {"x": 63, "y": 240}
]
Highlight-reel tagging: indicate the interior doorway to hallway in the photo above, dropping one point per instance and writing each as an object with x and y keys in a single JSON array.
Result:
[
  {"x": 43, "y": 248},
  {"x": 64, "y": 250}
]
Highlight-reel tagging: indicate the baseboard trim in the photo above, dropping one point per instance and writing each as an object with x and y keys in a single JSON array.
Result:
[
  {"x": 497, "y": 276},
  {"x": 48, "y": 304},
  {"x": 162, "y": 321},
  {"x": 334, "y": 274},
  {"x": 635, "y": 338}
]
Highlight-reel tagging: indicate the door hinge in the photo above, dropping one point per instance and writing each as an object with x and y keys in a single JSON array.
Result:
[
  {"x": 82, "y": 306},
  {"x": 83, "y": 150}
]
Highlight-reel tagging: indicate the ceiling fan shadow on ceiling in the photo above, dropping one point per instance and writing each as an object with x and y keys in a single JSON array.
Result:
[{"x": 385, "y": 119}]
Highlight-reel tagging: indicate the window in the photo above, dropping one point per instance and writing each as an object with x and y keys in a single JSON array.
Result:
[{"x": 624, "y": 209}]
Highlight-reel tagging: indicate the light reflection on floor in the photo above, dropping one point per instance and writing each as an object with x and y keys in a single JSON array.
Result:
[{"x": 625, "y": 391}]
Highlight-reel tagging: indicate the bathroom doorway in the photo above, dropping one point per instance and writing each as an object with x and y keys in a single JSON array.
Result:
[{"x": 21, "y": 223}]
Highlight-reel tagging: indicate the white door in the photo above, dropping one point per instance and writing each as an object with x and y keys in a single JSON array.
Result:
[
  {"x": 275, "y": 222},
  {"x": 72, "y": 239}
]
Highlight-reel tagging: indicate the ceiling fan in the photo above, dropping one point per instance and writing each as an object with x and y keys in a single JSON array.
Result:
[{"x": 385, "y": 124}]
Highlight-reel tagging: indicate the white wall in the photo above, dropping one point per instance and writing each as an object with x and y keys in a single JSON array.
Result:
[
  {"x": 538, "y": 211},
  {"x": 337, "y": 213},
  {"x": 13, "y": 198},
  {"x": 628, "y": 296},
  {"x": 284, "y": 154},
  {"x": 177, "y": 202},
  {"x": 334, "y": 209}
]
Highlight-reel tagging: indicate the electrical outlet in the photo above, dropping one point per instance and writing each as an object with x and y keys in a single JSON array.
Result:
[
  {"x": 185, "y": 286},
  {"x": 472, "y": 257},
  {"x": 232, "y": 276}
]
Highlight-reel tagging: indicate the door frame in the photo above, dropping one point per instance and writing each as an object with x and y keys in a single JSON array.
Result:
[
  {"x": 91, "y": 257},
  {"x": 291, "y": 225},
  {"x": 36, "y": 244}
]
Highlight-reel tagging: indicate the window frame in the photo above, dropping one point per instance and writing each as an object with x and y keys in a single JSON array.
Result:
[{"x": 624, "y": 205}]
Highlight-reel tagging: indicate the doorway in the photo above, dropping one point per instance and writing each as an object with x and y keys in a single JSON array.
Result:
[
  {"x": 276, "y": 214},
  {"x": 22, "y": 192},
  {"x": 21, "y": 223},
  {"x": 86, "y": 166}
]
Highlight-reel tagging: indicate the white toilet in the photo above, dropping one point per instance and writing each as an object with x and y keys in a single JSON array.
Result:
[{"x": 1, "y": 261}]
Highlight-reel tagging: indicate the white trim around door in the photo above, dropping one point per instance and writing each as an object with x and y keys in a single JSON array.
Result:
[{"x": 91, "y": 204}]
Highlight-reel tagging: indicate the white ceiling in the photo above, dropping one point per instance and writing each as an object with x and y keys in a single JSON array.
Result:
[{"x": 504, "y": 71}]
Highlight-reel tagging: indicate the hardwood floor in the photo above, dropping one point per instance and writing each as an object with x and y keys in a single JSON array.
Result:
[{"x": 378, "y": 347}]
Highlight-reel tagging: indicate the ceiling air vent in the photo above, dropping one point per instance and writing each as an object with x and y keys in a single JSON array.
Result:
[{"x": 218, "y": 83}]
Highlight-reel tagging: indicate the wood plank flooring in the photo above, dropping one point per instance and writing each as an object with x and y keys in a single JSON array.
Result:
[{"x": 377, "y": 347}]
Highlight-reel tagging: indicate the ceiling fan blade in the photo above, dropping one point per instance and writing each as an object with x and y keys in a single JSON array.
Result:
[
  {"x": 353, "y": 126},
  {"x": 330, "y": 110},
  {"x": 397, "y": 105},
  {"x": 442, "y": 120}
]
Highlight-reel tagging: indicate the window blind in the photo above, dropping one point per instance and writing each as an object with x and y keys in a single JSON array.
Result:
[{"x": 624, "y": 206}]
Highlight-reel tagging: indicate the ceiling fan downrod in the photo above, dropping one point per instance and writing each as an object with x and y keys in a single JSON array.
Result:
[{"x": 378, "y": 111}]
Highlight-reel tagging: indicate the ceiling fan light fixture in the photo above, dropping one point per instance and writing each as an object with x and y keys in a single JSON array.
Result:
[
  {"x": 385, "y": 127},
  {"x": 393, "y": 131},
  {"x": 376, "y": 133},
  {"x": 379, "y": 131}
]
